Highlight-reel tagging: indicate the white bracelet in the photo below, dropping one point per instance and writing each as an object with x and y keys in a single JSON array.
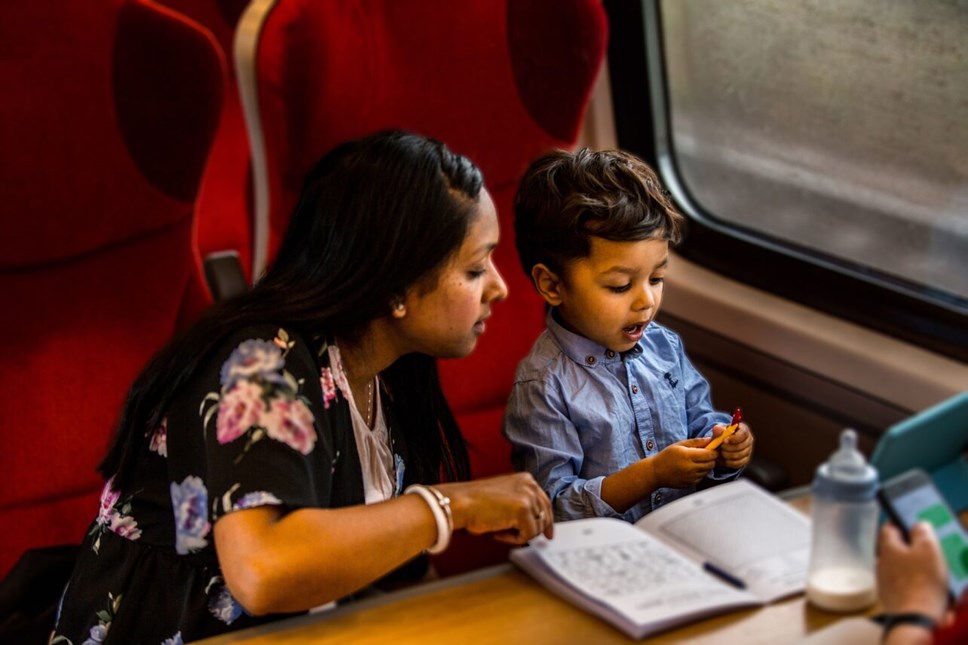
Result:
[{"x": 440, "y": 506}]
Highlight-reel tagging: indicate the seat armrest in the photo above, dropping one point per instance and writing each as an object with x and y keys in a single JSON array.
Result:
[{"x": 224, "y": 275}]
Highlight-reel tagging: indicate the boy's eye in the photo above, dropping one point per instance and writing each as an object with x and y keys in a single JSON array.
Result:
[
  {"x": 621, "y": 289},
  {"x": 657, "y": 280}
]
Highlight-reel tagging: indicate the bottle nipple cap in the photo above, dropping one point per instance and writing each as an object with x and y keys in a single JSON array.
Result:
[
  {"x": 846, "y": 475},
  {"x": 847, "y": 460}
]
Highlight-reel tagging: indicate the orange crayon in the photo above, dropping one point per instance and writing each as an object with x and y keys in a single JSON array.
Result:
[{"x": 730, "y": 429}]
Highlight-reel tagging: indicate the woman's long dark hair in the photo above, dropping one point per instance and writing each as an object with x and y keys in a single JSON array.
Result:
[{"x": 377, "y": 216}]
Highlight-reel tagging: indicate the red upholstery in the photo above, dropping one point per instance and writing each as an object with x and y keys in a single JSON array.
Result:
[
  {"x": 108, "y": 113},
  {"x": 224, "y": 206},
  {"x": 497, "y": 81}
]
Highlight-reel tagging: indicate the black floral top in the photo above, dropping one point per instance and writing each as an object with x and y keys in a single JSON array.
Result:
[{"x": 264, "y": 423}]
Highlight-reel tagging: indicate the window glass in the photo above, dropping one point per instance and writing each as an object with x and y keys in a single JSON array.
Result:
[{"x": 836, "y": 127}]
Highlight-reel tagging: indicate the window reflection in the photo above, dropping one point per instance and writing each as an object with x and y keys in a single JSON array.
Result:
[{"x": 839, "y": 127}]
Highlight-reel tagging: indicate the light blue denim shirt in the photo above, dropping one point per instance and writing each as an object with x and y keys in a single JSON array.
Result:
[{"x": 579, "y": 412}]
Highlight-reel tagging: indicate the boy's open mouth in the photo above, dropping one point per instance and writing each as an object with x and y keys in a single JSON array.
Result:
[{"x": 633, "y": 330}]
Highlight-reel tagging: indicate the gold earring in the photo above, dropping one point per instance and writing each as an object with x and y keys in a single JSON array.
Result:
[{"x": 399, "y": 309}]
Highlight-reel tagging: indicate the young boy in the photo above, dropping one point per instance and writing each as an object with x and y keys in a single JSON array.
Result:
[{"x": 606, "y": 411}]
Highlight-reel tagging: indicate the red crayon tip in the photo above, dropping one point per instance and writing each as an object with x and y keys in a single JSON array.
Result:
[{"x": 737, "y": 417}]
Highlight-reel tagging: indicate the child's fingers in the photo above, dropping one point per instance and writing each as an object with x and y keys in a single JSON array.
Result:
[
  {"x": 699, "y": 442},
  {"x": 698, "y": 469},
  {"x": 739, "y": 440},
  {"x": 738, "y": 454},
  {"x": 736, "y": 448},
  {"x": 697, "y": 451},
  {"x": 704, "y": 462},
  {"x": 739, "y": 462},
  {"x": 718, "y": 429}
]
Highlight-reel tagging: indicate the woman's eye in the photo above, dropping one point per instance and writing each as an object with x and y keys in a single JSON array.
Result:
[{"x": 477, "y": 273}]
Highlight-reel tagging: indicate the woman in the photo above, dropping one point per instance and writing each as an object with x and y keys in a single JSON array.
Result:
[{"x": 261, "y": 457}]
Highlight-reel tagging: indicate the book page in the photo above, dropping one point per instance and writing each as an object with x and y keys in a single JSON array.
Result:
[
  {"x": 742, "y": 529},
  {"x": 613, "y": 565}
]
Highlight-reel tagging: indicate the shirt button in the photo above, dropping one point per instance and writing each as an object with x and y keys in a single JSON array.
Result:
[
  {"x": 650, "y": 444},
  {"x": 635, "y": 389},
  {"x": 610, "y": 354},
  {"x": 590, "y": 360},
  {"x": 658, "y": 498}
]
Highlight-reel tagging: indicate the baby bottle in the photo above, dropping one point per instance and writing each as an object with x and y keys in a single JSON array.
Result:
[{"x": 841, "y": 573}]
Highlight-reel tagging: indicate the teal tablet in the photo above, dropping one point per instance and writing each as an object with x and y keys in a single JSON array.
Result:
[{"x": 936, "y": 440}]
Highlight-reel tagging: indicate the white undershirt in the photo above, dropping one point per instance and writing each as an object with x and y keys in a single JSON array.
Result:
[{"x": 373, "y": 445}]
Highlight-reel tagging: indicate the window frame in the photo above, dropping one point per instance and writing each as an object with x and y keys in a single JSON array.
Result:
[{"x": 903, "y": 310}]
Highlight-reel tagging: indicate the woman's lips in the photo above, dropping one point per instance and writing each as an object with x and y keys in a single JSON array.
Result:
[{"x": 480, "y": 326}]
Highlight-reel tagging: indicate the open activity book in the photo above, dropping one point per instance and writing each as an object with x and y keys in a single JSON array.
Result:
[{"x": 655, "y": 574}]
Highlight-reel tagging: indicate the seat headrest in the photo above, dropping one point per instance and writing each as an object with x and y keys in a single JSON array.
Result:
[{"x": 116, "y": 105}]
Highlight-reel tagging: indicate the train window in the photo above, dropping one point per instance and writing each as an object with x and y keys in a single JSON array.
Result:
[{"x": 822, "y": 141}]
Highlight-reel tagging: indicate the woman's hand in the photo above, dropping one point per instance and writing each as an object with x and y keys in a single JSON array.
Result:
[
  {"x": 510, "y": 508},
  {"x": 912, "y": 577}
]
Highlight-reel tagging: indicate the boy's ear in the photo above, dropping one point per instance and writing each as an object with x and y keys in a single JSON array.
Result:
[{"x": 547, "y": 283}]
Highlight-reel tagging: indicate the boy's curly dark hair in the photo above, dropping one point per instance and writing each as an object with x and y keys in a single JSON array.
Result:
[{"x": 566, "y": 198}]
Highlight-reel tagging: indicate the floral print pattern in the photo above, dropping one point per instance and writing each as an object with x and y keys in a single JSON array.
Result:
[
  {"x": 259, "y": 398},
  {"x": 221, "y": 604},
  {"x": 104, "y": 617},
  {"x": 114, "y": 516},
  {"x": 256, "y": 499},
  {"x": 244, "y": 434},
  {"x": 254, "y": 359},
  {"x": 159, "y": 439},
  {"x": 252, "y": 499},
  {"x": 338, "y": 371},
  {"x": 98, "y": 632},
  {"x": 329, "y": 386},
  {"x": 189, "y": 501},
  {"x": 240, "y": 409},
  {"x": 291, "y": 422}
]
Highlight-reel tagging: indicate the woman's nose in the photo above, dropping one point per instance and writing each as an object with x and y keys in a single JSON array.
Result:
[{"x": 498, "y": 289}]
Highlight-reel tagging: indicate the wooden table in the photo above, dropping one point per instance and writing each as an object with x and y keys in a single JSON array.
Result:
[{"x": 503, "y": 605}]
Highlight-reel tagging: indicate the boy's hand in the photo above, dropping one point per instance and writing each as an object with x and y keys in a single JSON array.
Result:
[
  {"x": 684, "y": 463},
  {"x": 737, "y": 449}
]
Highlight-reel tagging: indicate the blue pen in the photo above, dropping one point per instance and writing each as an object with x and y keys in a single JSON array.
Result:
[{"x": 723, "y": 575}]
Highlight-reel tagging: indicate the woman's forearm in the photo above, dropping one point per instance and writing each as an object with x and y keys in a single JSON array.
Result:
[{"x": 286, "y": 563}]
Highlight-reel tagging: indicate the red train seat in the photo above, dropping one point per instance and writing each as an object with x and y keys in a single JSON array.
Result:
[{"x": 109, "y": 110}]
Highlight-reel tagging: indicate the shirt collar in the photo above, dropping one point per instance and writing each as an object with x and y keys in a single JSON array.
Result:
[{"x": 582, "y": 350}]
